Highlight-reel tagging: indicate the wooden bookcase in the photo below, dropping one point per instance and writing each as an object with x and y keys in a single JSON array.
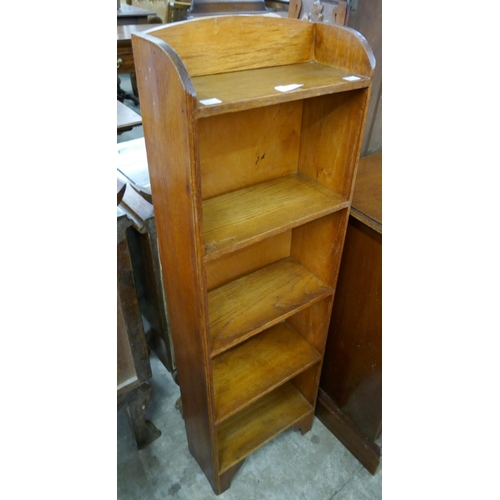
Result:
[{"x": 252, "y": 195}]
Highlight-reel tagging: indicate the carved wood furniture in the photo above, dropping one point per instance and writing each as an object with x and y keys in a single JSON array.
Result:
[
  {"x": 252, "y": 183},
  {"x": 133, "y": 368},
  {"x": 350, "y": 394}
]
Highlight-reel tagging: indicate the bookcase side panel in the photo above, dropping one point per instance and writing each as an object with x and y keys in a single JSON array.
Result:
[
  {"x": 167, "y": 107},
  {"x": 245, "y": 148},
  {"x": 343, "y": 48},
  {"x": 318, "y": 245},
  {"x": 307, "y": 383},
  {"x": 332, "y": 131},
  {"x": 313, "y": 322}
]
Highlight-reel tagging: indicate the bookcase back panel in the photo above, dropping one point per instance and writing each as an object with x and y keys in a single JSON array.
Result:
[
  {"x": 247, "y": 260},
  {"x": 235, "y": 43},
  {"x": 242, "y": 149},
  {"x": 331, "y": 138}
]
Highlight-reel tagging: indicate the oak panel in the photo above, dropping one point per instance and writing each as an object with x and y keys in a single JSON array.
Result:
[
  {"x": 260, "y": 300},
  {"x": 257, "y": 366}
]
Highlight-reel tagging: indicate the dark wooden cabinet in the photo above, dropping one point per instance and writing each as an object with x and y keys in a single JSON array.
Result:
[{"x": 350, "y": 395}]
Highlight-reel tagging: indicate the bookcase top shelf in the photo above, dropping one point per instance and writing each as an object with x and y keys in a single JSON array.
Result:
[
  {"x": 239, "y": 60},
  {"x": 257, "y": 87}
]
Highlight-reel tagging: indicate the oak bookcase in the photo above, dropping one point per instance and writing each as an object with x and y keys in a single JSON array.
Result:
[{"x": 252, "y": 189}]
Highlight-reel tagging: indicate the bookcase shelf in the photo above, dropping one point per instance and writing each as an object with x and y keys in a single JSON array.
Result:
[
  {"x": 259, "y": 365},
  {"x": 252, "y": 194},
  {"x": 248, "y": 215},
  {"x": 258, "y": 423},
  {"x": 252, "y": 303},
  {"x": 257, "y": 87}
]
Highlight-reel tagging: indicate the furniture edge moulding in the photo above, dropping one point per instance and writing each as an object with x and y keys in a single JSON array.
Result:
[{"x": 169, "y": 88}]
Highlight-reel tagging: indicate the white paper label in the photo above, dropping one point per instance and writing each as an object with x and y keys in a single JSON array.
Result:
[
  {"x": 213, "y": 100},
  {"x": 351, "y": 78},
  {"x": 287, "y": 88}
]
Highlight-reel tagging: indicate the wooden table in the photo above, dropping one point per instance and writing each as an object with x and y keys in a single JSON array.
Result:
[
  {"x": 350, "y": 394},
  {"x": 126, "y": 118},
  {"x": 128, "y": 14}
]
